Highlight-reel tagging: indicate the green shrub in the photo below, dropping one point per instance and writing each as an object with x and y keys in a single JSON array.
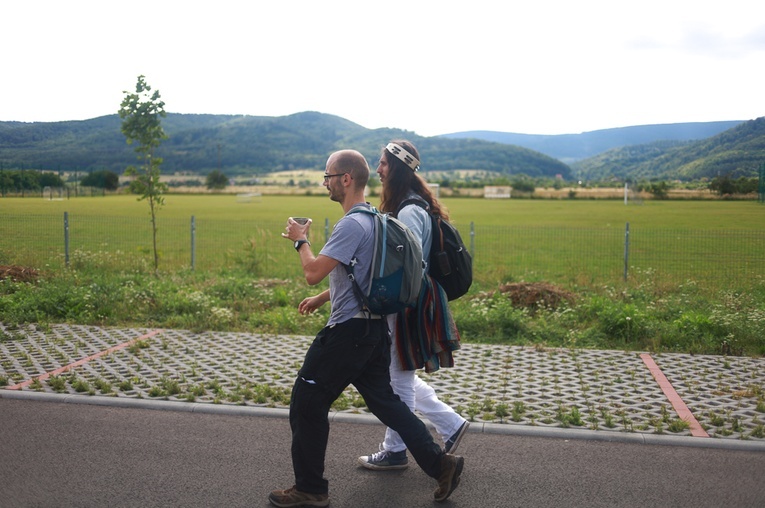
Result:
[
  {"x": 643, "y": 317},
  {"x": 490, "y": 320}
]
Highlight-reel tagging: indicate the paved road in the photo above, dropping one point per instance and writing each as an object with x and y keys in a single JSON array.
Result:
[{"x": 62, "y": 455}]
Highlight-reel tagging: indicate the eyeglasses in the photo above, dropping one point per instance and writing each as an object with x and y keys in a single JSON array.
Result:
[{"x": 327, "y": 177}]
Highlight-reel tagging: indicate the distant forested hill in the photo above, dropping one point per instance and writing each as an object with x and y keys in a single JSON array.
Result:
[
  {"x": 573, "y": 147},
  {"x": 736, "y": 152},
  {"x": 237, "y": 144}
]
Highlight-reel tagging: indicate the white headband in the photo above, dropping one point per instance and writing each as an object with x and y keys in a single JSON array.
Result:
[{"x": 408, "y": 159}]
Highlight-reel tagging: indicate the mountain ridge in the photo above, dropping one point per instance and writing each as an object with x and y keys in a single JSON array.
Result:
[
  {"x": 252, "y": 145},
  {"x": 241, "y": 144},
  {"x": 569, "y": 148},
  {"x": 736, "y": 152}
]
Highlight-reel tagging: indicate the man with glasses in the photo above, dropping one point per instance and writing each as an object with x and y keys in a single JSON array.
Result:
[{"x": 353, "y": 348}]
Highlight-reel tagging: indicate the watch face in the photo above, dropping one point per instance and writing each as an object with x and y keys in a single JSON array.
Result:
[{"x": 297, "y": 243}]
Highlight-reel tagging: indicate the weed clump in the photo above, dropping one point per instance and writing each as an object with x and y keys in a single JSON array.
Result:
[
  {"x": 536, "y": 295},
  {"x": 18, "y": 273}
]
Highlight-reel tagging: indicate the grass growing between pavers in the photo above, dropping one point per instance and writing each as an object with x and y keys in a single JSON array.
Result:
[{"x": 513, "y": 385}]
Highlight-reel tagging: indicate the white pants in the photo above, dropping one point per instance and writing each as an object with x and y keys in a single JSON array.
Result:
[{"x": 419, "y": 396}]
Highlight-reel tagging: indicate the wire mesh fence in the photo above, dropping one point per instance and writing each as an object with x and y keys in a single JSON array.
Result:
[
  {"x": 580, "y": 256},
  {"x": 587, "y": 256},
  {"x": 564, "y": 255}
]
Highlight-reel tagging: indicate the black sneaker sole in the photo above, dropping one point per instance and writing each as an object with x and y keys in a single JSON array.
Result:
[
  {"x": 460, "y": 434},
  {"x": 375, "y": 467}
]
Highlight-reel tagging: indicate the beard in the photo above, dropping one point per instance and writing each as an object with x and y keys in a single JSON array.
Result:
[{"x": 337, "y": 195}]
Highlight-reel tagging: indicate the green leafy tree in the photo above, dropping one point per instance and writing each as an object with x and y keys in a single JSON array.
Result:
[
  {"x": 141, "y": 113},
  {"x": 24, "y": 180},
  {"x": 6, "y": 182},
  {"x": 723, "y": 185},
  {"x": 746, "y": 185},
  {"x": 104, "y": 179},
  {"x": 660, "y": 190},
  {"x": 216, "y": 180},
  {"x": 48, "y": 179},
  {"x": 726, "y": 185},
  {"x": 523, "y": 183}
]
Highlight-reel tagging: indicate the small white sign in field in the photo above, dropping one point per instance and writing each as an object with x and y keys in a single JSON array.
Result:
[{"x": 497, "y": 192}]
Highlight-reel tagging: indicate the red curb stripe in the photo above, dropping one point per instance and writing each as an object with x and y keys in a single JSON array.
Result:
[
  {"x": 677, "y": 402},
  {"x": 83, "y": 361}
]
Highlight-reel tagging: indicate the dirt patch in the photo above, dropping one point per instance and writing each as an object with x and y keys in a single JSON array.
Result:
[
  {"x": 18, "y": 273},
  {"x": 536, "y": 295}
]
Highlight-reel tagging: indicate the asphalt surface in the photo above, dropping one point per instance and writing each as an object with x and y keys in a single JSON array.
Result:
[
  {"x": 67, "y": 455},
  {"x": 112, "y": 417}
]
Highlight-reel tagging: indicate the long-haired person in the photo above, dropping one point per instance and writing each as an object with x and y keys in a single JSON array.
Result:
[{"x": 407, "y": 196}]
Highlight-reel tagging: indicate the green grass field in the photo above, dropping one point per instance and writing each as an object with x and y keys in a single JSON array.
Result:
[
  {"x": 695, "y": 269},
  {"x": 571, "y": 242},
  {"x": 700, "y": 215}
]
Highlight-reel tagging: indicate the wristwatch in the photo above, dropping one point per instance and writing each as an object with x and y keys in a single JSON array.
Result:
[{"x": 299, "y": 243}]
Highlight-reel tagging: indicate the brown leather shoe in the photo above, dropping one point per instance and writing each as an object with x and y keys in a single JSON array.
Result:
[
  {"x": 451, "y": 469},
  {"x": 292, "y": 497}
]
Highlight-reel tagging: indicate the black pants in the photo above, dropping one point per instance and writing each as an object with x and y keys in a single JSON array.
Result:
[{"x": 354, "y": 352}]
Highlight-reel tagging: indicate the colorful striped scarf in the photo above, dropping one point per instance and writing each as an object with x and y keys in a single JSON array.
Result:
[{"x": 426, "y": 334}]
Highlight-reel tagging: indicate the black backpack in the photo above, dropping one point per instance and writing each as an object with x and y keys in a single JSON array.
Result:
[{"x": 449, "y": 263}]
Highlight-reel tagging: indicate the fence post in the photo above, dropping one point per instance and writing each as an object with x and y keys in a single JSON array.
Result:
[
  {"x": 66, "y": 238},
  {"x": 472, "y": 239},
  {"x": 193, "y": 243},
  {"x": 626, "y": 250},
  {"x": 326, "y": 229}
]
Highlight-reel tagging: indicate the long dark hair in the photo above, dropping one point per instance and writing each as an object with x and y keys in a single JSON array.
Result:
[{"x": 402, "y": 181}]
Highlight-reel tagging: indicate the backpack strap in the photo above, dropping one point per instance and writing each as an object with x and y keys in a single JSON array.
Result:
[
  {"x": 372, "y": 211},
  {"x": 413, "y": 201},
  {"x": 356, "y": 288},
  {"x": 369, "y": 211},
  {"x": 365, "y": 208},
  {"x": 358, "y": 209},
  {"x": 435, "y": 220}
]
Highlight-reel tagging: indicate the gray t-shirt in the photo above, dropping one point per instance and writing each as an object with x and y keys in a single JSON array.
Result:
[{"x": 352, "y": 237}]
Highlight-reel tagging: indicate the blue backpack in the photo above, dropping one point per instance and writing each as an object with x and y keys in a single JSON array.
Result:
[{"x": 397, "y": 266}]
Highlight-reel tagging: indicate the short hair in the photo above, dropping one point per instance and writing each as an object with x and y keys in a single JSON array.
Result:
[{"x": 353, "y": 163}]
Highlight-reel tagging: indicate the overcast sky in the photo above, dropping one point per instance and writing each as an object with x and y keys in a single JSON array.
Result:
[{"x": 428, "y": 66}]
